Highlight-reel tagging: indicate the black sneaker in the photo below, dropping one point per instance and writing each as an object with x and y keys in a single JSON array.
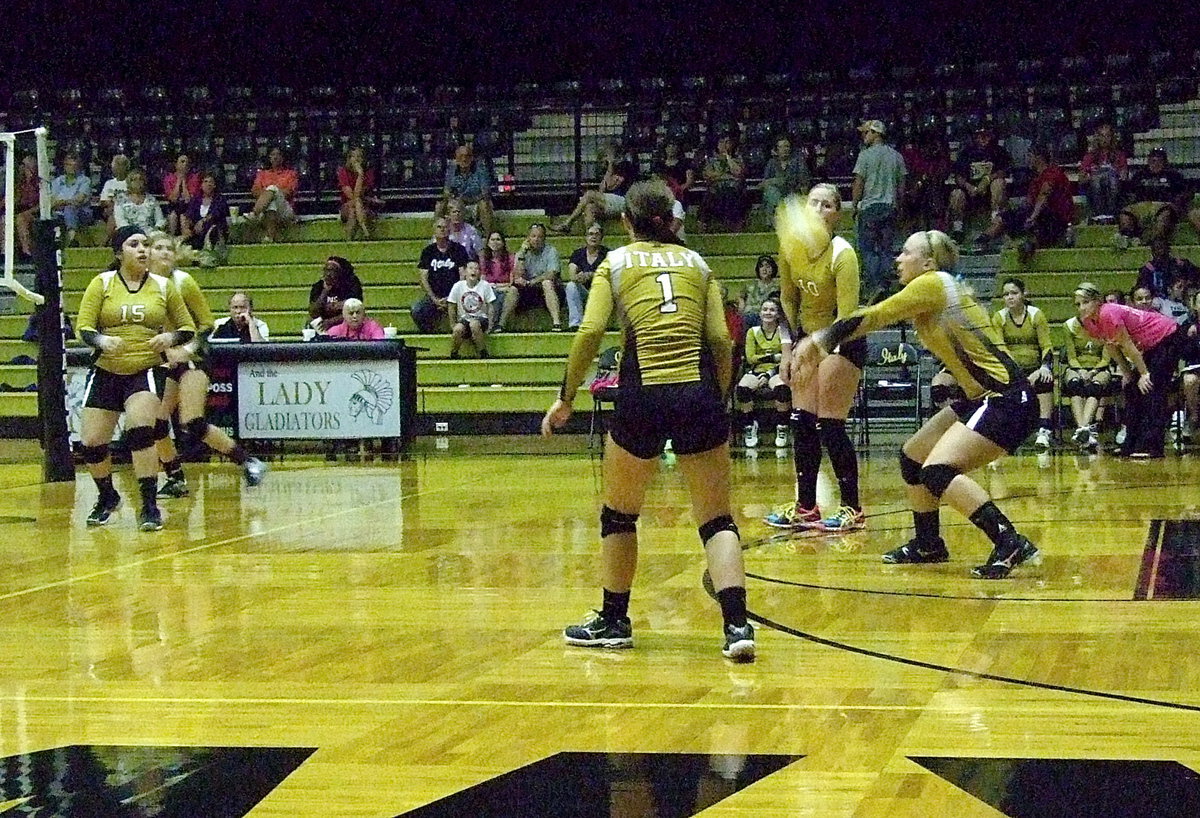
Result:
[
  {"x": 255, "y": 470},
  {"x": 598, "y": 632},
  {"x": 915, "y": 552},
  {"x": 173, "y": 487},
  {"x": 739, "y": 643},
  {"x": 102, "y": 512},
  {"x": 1005, "y": 558},
  {"x": 150, "y": 519}
]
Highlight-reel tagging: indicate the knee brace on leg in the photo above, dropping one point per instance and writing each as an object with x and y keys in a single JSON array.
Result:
[
  {"x": 1043, "y": 387},
  {"x": 139, "y": 437},
  {"x": 717, "y": 525},
  {"x": 910, "y": 470},
  {"x": 616, "y": 522},
  {"x": 743, "y": 394},
  {"x": 93, "y": 454},
  {"x": 1095, "y": 390},
  {"x": 782, "y": 393},
  {"x": 197, "y": 428},
  {"x": 938, "y": 477},
  {"x": 162, "y": 429},
  {"x": 1074, "y": 388}
]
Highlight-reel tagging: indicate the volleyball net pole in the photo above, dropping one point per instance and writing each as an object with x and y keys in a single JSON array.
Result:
[{"x": 48, "y": 319}]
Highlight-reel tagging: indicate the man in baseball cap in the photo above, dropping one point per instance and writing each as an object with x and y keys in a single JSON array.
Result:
[
  {"x": 877, "y": 191},
  {"x": 872, "y": 126}
]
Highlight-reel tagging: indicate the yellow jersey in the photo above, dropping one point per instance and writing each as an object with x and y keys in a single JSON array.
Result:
[
  {"x": 1028, "y": 342},
  {"x": 817, "y": 292},
  {"x": 1083, "y": 350},
  {"x": 193, "y": 297},
  {"x": 110, "y": 307},
  {"x": 762, "y": 349},
  {"x": 671, "y": 313},
  {"x": 950, "y": 323}
]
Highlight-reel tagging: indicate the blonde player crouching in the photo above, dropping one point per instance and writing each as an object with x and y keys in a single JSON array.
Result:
[
  {"x": 999, "y": 411},
  {"x": 183, "y": 381},
  {"x": 675, "y": 370}
]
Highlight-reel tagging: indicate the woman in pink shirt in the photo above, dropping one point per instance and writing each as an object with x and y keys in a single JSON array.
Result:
[
  {"x": 1147, "y": 346},
  {"x": 356, "y": 181},
  {"x": 496, "y": 266},
  {"x": 355, "y": 325},
  {"x": 180, "y": 186}
]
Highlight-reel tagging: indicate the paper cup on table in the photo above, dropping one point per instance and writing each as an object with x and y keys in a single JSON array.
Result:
[
  {"x": 389, "y": 332},
  {"x": 308, "y": 333}
]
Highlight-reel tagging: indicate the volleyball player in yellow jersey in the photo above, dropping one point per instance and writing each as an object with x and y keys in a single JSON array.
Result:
[
  {"x": 1087, "y": 380},
  {"x": 764, "y": 353},
  {"x": 674, "y": 372},
  {"x": 131, "y": 317},
  {"x": 996, "y": 416},
  {"x": 1026, "y": 334},
  {"x": 819, "y": 284},
  {"x": 184, "y": 382}
]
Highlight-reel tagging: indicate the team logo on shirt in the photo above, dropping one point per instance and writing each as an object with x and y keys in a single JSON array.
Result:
[{"x": 472, "y": 302}]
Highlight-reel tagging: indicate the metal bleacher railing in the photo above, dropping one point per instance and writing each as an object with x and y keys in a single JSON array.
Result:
[{"x": 542, "y": 140}]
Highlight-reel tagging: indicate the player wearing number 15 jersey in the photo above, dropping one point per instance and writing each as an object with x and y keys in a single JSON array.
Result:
[{"x": 673, "y": 376}]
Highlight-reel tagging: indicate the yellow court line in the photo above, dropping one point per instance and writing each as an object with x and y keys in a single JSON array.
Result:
[{"x": 59, "y": 583}]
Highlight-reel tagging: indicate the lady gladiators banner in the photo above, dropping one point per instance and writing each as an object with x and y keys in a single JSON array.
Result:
[{"x": 318, "y": 399}]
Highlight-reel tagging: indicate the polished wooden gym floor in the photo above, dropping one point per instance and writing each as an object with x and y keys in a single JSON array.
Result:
[{"x": 397, "y": 626}]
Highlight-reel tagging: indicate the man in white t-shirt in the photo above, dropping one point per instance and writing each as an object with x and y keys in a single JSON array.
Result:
[
  {"x": 114, "y": 189},
  {"x": 472, "y": 305}
]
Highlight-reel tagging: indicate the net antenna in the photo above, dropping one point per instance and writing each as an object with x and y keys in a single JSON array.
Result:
[{"x": 9, "y": 141}]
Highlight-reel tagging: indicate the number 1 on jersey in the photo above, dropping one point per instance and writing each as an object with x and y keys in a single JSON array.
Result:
[{"x": 668, "y": 304}]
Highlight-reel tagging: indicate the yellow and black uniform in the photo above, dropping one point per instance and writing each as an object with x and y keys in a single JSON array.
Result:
[
  {"x": 1083, "y": 350},
  {"x": 999, "y": 402},
  {"x": 202, "y": 320},
  {"x": 676, "y": 360},
  {"x": 763, "y": 351},
  {"x": 110, "y": 307},
  {"x": 817, "y": 292}
]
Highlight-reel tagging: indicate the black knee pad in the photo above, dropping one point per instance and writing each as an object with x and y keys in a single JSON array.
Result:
[
  {"x": 939, "y": 393},
  {"x": 717, "y": 525},
  {"x": 162, "y": 429},
  {"x": 616, "y": 522},
  {"x": 1097, "y": 390},
  {"x": 197, "y": 428},
  {"x": 803, "y": 422},
  {"x": 938, "y": 477},
  {"x": 1043, "y": 387},
  {"x": 744, "y": 394},
  {"x": 1074, "y": 388},
  {"x": 93, "y": 454},
  {"x": 139, "y": 437},
  {"x": 910, "y": 470},
  {"x": 782, "y": 393}
]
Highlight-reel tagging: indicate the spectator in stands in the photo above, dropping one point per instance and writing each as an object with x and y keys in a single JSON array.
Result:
[
  {"x": 1044, "y": 218},
  {"x": 764, "y": 286},
  {"x": 496, "y": 265},
  {"x": 472, "y": 310},
  {"x": 1164, "y": 268},
  {"x": 928, "y": 164},
  {"x": 535, "y": 277},
  {"x": 1185, "y": 426},
  {"x": 1026, "y": 333},
  {"x": 1087, "y": 380},
  {"x": 329, "y": 294},
  {"x": 675, "y": 169},
  {"x": 1174, "y": 304},
  {"x": 608, "y": 199},
  {"x": 461, "y": 231},
  {"x": 763, "y": 353},
  {"x": 1103, "y": 171},
  {"x": 71, "y": 196},
  {"x": 786, "y": 174},
  {"x": 355, "y": 325},
  {"x": 1143, "y": 298},
  {"x": 25, "y": 209},
  {"x": 724, "y": 204},
  {"x": 274, "y": 192},
  {"x": 979, "y": 181},
  {"x": 114, "y": 188},
  {"x": 1147, "y": 347},
  {"x": 580, "y": 269},
  {"x": 1159, "y": 197},
  {"x": 207, "y": 224},
  {"x": 137, "y": 207},
  {"x": 241, "y": 325},
  {"x": 440, "y": 266},
  {"x": 180, "y": 187},
  {"x": 1114, "y": 297},
  {"x": 356, "y": 182},
  {"x": 469, "y": 180},
  {"x": 877, "y": 190}
]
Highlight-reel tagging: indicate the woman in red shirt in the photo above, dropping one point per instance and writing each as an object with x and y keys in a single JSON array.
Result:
[
  {"x": 356, "y": 181},
  {"x": 1049, "y": 209}
]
